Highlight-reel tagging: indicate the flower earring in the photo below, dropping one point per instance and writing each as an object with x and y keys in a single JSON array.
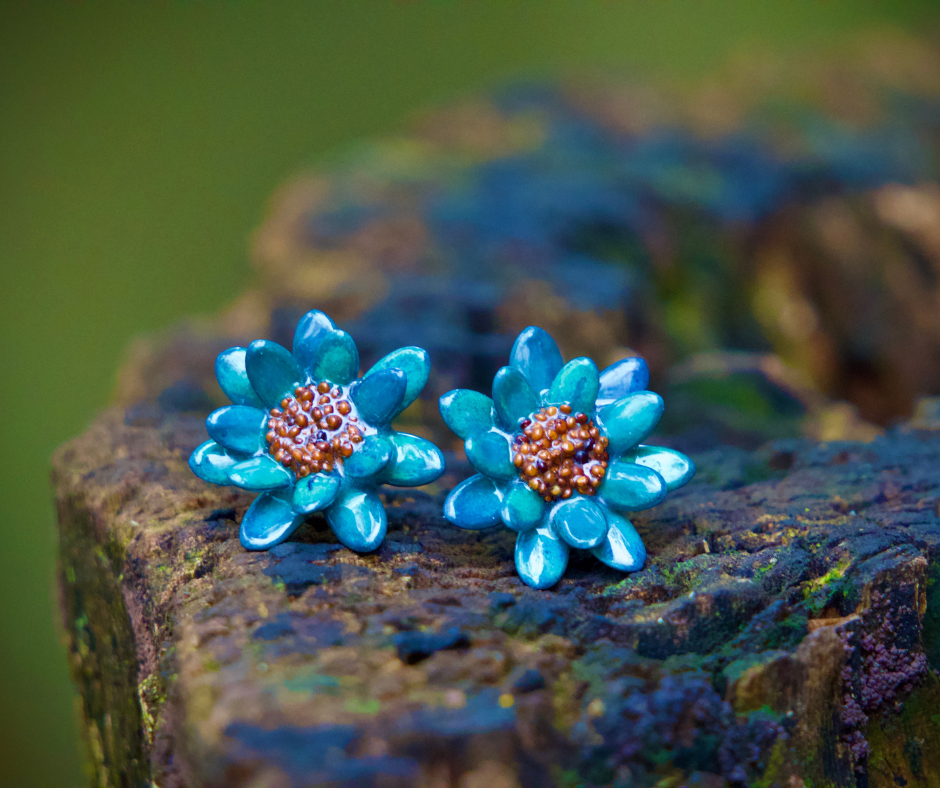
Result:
[
  {"x": 558, "y": 455},
  {"x": 309, "y": 436}
]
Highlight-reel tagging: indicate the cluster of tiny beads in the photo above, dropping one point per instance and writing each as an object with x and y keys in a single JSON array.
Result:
[
  {"x": 314, "y": 430},
  {"x": 559, "y": 452}
]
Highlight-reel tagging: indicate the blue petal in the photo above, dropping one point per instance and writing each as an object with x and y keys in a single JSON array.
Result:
[
  {"x": 523, "y": 508},
  {"x": 238, "y": 427},
  {"x": 233, "y": 377},
  {"x": 260, "y": 473},
  {"x": 628, "y": 487},
  {"x": 315, "y": 492},
  {"x": 675, "y": 468},
  {"x": 575, "y": 384},
  {"x": 474, "y": 503},
  {"x": 623, "y": 548},
  {"x": 210, "y": 462},
  {"x": 513, "y": 398},
  {"x": 491, "y": 454},
  {"x": 415, "y": 461},
  {"x": 272, "y": 371},
  {"x": 358, "y": 520},
  {"x": 311, "y": 330},
  {"x": 541, "y": 557},
  {"x": 467, "y": 412},
  {"x": 336, "y": 359},
  {"x": 378, "y": 396},
  {"x": 622, "y": 378},
  {"x": 629, "y": 420},
  {"x": 268, "y": 521},
  {"x": 415, "y": 363},
  {"x": 580, "y": 522},
  {"x": 369, "y": 458},
  {"x": 536, "y": 356}
]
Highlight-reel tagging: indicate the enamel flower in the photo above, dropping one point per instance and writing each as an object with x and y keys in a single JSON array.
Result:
[
  {"x": 559, "y": 458},
  {"x": 309, "y": 436}
]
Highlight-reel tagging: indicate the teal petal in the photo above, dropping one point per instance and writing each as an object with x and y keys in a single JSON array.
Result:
[
  {"x": 541, "y": 557},
  {"x": 474, "y": 503},
  {"x": 336, "y": 359},
  {"x": 675, "y": 468},
  {"x": 210, "y": 462},
  {"x": 623, "y": 548},
  {"x": 580, "y": 522},
  {"x": 628, "y": 487},
  {"x": 378, "y": 396},
  {"x": 415, "y": 461},
  {"x": 467, "y": 412},
  {"x": 233, "y": 377},
  {"x": 630, "y": 419},
  {"x": 523, "y": 508},
  {"x": 513, "y": 398},
  {"x": 369, "y": 458},
  {"x": 575, "y": 384},
  {"x": 272, "y": 371},
  {"x": 311, "y": 330},
  {"x": 358, "y": 520},
  {"x": 238, "y": 427},
  {"x": 268, "y": 522},
  {"x": 622, "y": 378},
  {"x": 260, "y": 473},
  {"x": 415, "y": 363},
  {"x": 315, "y": 492},
  {"x": 536, "y": 355},
  {"x": 491, "y": 454}
]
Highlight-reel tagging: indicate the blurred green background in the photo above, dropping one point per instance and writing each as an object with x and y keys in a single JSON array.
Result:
[{"x": 138, "y": 145}]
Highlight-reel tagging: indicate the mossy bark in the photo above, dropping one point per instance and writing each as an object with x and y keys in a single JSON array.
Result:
[{"x": 102, "y": 650}]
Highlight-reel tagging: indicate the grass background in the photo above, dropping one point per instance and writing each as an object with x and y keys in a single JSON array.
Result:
[{"x": 138, "y": 144}]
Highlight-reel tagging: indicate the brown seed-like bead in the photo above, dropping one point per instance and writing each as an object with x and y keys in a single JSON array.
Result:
[
  {"x": 327, "y": 409},
  {"x": 545, "y": 448},
  {"x": 346, "y": 449},
  {"x": 333, "y": 421},
  {"x": 344, "y": 407},
  {"x": 325, "y": 398},
  {"x": 323, "y": 387},
  {"x": 565, "y": 409}
]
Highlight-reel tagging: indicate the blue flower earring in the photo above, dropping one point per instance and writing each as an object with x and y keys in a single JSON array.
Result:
[
  {"x": 558, "y": 455},
  {"x": 309, "y": 436}
]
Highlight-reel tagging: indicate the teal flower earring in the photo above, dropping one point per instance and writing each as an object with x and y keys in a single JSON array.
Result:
[
  {"x": 309, "y": 436},
  {"x": 558, "y": 455}
]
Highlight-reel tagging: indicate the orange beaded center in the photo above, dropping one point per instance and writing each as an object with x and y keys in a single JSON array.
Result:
[
  {"x": 559, "y": 452},
  {"x": 314, "y": 430}
]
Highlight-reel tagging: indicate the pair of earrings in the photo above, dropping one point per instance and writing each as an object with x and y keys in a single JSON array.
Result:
[{"x": 557, "y": 449}]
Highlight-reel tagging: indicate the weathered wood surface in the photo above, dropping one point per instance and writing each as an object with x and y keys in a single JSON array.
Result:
[{"x": 747, "y": 652}]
